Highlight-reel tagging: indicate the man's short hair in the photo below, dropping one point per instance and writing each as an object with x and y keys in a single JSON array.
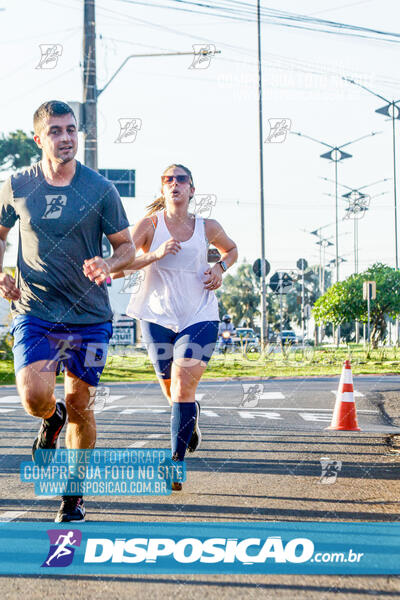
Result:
[{"x": 50, "y": 109}]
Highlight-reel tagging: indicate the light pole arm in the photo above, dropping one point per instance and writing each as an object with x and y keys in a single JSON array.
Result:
[
  {"x": 203, "y": 53},
  {"x": 359, "y": 139},
  {"x": 365, "y": 88}
]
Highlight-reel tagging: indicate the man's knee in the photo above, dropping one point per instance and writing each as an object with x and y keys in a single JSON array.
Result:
[
  {"x": 38, "y": 401},
  {"x": 77, "y": 402}
]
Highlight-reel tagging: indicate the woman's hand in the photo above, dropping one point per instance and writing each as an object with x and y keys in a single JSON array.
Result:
[
  {"x": 213, "y": 277},
  {"x": 171, "y": 246}
]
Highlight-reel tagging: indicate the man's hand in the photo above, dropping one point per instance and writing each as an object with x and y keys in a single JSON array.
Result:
[
  {"x": 96, "y": 269},
  {"x": 8, "y": 289},
  {"x": 213, "y": 277}
]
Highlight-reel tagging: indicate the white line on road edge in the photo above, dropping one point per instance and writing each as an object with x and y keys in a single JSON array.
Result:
[
  {"x": 207, "y": 407},
  {"x": 141, "y": 443},
  {"x": 138, "y": 444},
  {"x": 11, "y": 515},
  {"x": 10, "y": 400}
]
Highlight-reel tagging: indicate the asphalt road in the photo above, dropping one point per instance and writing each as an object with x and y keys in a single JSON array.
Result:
[{"x": 259, "y": 461}]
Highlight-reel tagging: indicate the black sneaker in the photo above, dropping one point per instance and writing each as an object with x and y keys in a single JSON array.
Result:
[
  {"x": 195, "y": 440},
  {"x": 72, "y": 509},
  {"x": 50, "y": 430}
]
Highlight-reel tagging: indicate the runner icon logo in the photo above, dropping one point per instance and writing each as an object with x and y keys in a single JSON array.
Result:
[
  {"x": 61, "y": 552},
  {"x": 203, "y": 204},
  {"x": 50, "y": 53},
  {"x": 128, "y": 129},
  {"x": 203, "y": 54},
  {"x": 251, "y": 394},
  {"x": 55, "y": 204},
  {"x": 330, "y": 470}
]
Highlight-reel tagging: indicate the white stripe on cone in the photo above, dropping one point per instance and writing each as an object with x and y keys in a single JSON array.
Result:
[
  {"x": 345, "y": 396},
  {"x": 347, "y": 376}
]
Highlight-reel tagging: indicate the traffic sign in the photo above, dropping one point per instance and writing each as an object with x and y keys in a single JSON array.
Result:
[
  {"x": 123, "y": 179},
  {"x": 307, "y": 311},
  {"x": 257, "y": 267},
  {"x": 302, "y": 264},
  {"x": 369, "y": 290},
  {"x": 281, "y": 283}
]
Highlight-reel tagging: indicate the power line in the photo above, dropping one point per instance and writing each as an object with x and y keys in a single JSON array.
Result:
[{"x": 242, "y": 12}]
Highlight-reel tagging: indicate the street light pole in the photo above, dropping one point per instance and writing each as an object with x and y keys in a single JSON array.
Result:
[
  {"x": 335, "y": 154},
  {"x": 390, "y": 110}
]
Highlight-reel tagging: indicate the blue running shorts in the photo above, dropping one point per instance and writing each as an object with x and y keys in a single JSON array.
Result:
[
  {"x": 166, "y": 346},
  {"x": 82, "y": 349}
]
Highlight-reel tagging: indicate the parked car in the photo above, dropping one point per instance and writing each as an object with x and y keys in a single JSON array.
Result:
[
  {"x": 246, "y": 338},
  {"x": 287, "y": 336}
]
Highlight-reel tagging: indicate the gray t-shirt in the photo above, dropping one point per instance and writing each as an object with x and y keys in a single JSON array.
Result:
[{"x": 60, "y": 227}]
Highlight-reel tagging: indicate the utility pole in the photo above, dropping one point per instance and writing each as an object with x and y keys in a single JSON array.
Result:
[
  {"x": 260, "y": 127},
  {"x": 90, "y": 91},
  {"x": 90, "y": 84}
]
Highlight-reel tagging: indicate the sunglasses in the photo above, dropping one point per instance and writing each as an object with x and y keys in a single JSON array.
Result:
[{"x": 178, "y": 178}]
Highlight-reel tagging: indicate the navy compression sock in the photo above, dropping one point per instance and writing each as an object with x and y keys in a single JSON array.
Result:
[{"x": 182, "y": 423}]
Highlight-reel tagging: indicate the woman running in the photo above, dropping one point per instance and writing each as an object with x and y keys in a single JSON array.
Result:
[{"x": 176, "y": 302}]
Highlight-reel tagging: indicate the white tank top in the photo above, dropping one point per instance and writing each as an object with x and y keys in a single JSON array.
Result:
[{"x": 172, "y": 292}]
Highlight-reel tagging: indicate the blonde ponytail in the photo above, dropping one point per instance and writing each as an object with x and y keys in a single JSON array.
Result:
[{"x": 156, "y": 206}]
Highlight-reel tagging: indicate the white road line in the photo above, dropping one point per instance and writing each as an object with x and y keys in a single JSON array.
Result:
[
  {"x": 141, "y": 443},
  {"x": 113, "y": 398},
  {"x": 208, "y": 413},
  {"x": 272, "y": 396},
  {"x": 315, "y": 417},
  {"x": 129, "y": 411},
  {"x": 138, "y": 444},
  {"x": 153, "y": 408},
  {"x": 267, "y": 415},
  {"x": 7, "y": 410},
  {"x": 11, "y": 515},
  {"x": 10, "y": 400}
]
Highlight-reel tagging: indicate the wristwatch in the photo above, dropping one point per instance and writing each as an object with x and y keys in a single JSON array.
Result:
[{"x": 223, "y": 264}]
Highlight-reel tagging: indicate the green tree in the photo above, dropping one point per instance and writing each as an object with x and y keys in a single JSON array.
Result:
[
  {"x": 239, "y": 295},
  {"x": 17, "y": 150},
  {"x": 343, "y": 302}
]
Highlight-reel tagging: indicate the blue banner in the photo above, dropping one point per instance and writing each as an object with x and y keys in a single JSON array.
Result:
[
  {"x": 103, "y": 548},
  {"x": 103, "y": 472}
]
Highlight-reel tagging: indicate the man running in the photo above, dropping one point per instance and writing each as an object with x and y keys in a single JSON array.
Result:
[{"x": 59, "y": 297}]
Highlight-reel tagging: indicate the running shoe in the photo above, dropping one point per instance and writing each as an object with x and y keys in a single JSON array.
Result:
[
  {"x": 50, "y": 430},
  {"x": 72, "y": 508},
  {"x": 195, "y": 440},
  {"x": 176, "y": 486}
]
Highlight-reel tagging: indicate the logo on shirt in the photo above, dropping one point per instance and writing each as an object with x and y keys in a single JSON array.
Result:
[{"x": 55, "y": 203}]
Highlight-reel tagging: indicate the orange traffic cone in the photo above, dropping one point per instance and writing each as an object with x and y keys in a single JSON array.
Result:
[{"x": 344, "y": 416}]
